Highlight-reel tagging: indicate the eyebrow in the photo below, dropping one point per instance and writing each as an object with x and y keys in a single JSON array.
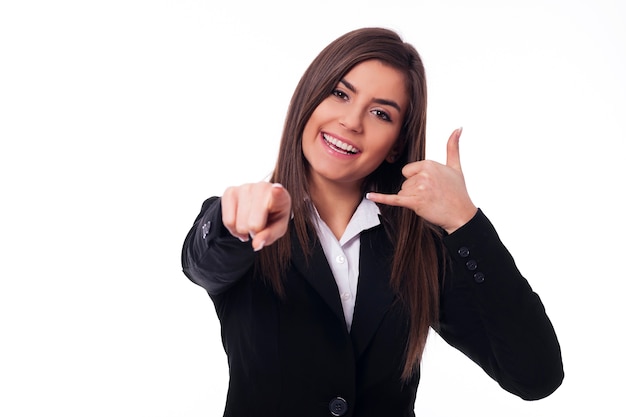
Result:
[{"x": 376, "y": 100}]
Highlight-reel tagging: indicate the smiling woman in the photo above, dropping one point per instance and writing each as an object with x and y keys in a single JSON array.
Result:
[
  {"x": 350, "y": 133},
  {"x": 327, "y": 279}
]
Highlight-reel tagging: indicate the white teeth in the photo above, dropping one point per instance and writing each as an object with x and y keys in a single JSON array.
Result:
[{"x": 340, "y": 145}]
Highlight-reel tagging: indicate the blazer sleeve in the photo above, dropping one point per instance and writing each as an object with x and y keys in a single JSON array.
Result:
[
  {"x": 211, "y": 256},
  {"x": 491, "y": 314}
]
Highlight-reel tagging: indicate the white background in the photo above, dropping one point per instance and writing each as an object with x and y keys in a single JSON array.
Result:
[{"x": 119, "y": 117}]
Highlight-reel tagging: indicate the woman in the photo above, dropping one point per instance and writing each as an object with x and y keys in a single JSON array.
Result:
[{"x": 327, "y": 278}]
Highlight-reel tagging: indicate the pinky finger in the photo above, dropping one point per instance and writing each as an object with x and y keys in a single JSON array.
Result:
[{"x": 388, "y": 199}]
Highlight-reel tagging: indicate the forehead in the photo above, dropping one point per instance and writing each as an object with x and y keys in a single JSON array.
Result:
[{"x": 379, "y": 80}]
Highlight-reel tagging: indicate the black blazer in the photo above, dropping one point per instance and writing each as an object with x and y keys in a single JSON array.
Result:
[{"x": 295, "y": 356}]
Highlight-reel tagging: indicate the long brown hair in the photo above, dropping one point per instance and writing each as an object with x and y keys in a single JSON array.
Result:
[{"x": 415, "y": 266}]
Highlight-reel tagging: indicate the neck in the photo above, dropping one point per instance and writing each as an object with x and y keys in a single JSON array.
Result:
[{"x": 335, "y": 203}]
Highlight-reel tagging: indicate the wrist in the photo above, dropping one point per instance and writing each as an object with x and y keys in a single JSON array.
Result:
[{"x": 461, "y": 220}]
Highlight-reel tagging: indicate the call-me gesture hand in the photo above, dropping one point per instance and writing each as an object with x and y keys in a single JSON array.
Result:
[
  {"x": 434, "y": 191},
  {"x": 260, "y": 210}
]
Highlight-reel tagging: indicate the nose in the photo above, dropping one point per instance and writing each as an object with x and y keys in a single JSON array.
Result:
[{"x": 352, "y": 119}]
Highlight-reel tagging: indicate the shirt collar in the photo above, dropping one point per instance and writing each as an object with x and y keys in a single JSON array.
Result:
[{"x": 366, "y": 216}]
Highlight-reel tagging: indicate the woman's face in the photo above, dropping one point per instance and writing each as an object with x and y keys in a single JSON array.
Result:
[{"x": 354, "y": 129}]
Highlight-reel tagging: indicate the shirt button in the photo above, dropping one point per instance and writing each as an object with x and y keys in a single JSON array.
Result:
[
  {"x": 340, "y": 259},
  {"x": 471, "y": 265},
  {"x": 479, "y": 277},
  {"x": 463, "y": 252},
  {"x": 346, "y": 296},
  {"x": 338, "y": 406}
]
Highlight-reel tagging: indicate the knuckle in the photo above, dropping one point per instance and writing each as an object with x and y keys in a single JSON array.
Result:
[
  {"x": 239, "y": 227},
  {"x": 228, "y": 222},
  {"x": 228, "y": 191},
  {"x": 228, "y": 219}
]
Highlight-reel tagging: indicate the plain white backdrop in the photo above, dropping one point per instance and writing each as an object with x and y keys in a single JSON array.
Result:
[{"x": 119, "y": 117}]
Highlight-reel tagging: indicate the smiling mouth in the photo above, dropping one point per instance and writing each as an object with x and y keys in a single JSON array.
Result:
[{"x": 339, "y": 146}]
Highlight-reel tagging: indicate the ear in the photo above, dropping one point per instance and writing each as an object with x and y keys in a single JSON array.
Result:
[{"x": 392, "y": 155}]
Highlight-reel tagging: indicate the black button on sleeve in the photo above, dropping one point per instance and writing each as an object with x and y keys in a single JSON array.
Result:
[
  {"x": 463, "y": 252},
  {"x": 479, "y": 277},
  {"x": 471, "y": 265},
  {"x": 338, "y": 406}
]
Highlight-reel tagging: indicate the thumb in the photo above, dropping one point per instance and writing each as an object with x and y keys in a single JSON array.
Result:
[{"x": 453, "y": 154}]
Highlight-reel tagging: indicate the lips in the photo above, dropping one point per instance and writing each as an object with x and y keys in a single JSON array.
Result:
[{"x": 339, "y": 146}]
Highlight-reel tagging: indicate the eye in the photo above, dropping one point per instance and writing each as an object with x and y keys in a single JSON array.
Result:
[
  {"x": 382, "y": 115},
  {"x": 340, "y": 94}
]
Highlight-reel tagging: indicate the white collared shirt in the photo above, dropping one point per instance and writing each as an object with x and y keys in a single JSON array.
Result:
[{"x": 343, "y": 254}]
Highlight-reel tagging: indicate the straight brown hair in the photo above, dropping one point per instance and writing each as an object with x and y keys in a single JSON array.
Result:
[{"x": 415, "y": 266}]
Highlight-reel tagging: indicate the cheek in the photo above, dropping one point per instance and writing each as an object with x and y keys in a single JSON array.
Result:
[
  {"x": 308, "y": 141},
  {"x": 388, "y": 140},
  {"x": 308, "y": 138},
  {"x": 312, "y": 126}
]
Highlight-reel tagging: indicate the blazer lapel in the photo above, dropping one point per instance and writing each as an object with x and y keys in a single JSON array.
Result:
[
  {"x": 374, "y": 295},
  {"x": 318, "y": 274}
]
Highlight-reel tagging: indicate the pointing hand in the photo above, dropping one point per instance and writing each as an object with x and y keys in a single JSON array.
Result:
[{"x": 260, "y": 210}]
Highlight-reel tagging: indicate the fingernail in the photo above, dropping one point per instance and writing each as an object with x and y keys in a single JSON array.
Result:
[
  {"x": 277, "y": 185},
  {"x": 242, "y": 239},
  {"x": 258, "y": 248},
  {"x": 460, "y": 129}
]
